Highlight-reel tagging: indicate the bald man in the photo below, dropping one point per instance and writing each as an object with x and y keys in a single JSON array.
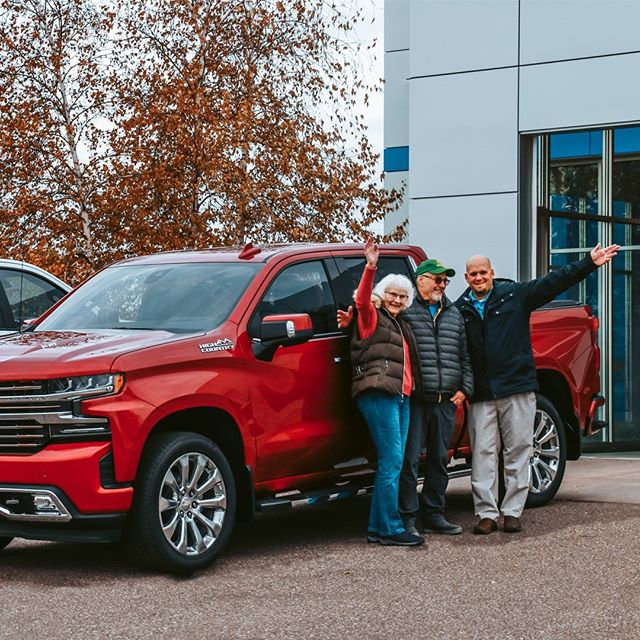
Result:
[{"x": 503, "y": 404}]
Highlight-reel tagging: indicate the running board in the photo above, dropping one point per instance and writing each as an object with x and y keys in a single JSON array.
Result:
[{"x": 294, "y": 499}]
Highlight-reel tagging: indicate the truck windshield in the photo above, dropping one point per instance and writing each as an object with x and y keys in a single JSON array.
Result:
[{"x": 179, "y": 298}]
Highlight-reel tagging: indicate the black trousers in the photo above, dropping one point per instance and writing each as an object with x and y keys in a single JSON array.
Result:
[{"x": 430, "y": 423}]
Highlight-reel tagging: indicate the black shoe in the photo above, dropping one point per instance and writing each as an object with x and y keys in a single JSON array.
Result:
[
  {"x": 439, "y": 524},
  {"x": 411, "y": 528},
  {"x": 373, "y": 537},
  {"x": 402, "y": 539}
]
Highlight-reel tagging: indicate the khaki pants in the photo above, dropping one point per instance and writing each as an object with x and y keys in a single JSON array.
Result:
[{"x": 508, "y": 421}]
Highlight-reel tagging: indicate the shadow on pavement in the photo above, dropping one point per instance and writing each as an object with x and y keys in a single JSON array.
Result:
[{"x": 275, "y": 535}]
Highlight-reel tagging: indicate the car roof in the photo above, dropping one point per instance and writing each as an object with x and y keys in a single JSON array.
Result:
[
  {"x": 257, "y": 253},
  {"x": 27, "y": 267}
]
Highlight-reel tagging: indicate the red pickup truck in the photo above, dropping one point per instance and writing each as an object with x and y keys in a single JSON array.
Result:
[{"x": 171, "y": 394}]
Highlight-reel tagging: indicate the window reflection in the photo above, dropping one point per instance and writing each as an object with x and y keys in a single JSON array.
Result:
[
  {"x": 574, "y": 188},
  {"x": 626, "y": 188}
]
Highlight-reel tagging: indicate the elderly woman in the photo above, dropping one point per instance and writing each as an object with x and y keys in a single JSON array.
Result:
[{"x": 382, "y": 348}]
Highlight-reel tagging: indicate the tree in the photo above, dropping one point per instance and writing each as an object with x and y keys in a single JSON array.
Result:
[
  {"x": 222, "y": 132},
  {"x": 228, "y": 121},
  {"x": 52, "y": 154}
]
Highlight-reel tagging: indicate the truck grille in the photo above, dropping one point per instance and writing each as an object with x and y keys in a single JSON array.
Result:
[
  {"x": 23, "y": 388},
  {"x": 22, "y": 436},
  {"x": 31, "y": 417}
]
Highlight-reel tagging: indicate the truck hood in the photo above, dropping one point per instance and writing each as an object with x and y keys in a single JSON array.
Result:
[{"x": 65, "y": 353}]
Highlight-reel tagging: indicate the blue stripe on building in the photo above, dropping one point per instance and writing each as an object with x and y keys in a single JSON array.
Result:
[{"x": 396, "y": 159}]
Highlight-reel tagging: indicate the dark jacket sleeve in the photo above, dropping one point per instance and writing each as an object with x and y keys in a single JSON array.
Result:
[
  {"x": 466, "y": 385},
  {"x": 538, "y": 292}
]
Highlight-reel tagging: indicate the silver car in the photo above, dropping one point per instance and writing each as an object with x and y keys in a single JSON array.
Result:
[{"x": 26, "y": 292}]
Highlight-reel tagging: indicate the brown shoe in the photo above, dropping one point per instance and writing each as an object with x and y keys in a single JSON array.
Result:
[
  {"x": 511, "y": 524},
  {"x": 485, "y": 526}
]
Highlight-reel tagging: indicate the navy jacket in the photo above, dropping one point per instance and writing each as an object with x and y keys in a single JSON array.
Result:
[{"x": 500, "y": 345}]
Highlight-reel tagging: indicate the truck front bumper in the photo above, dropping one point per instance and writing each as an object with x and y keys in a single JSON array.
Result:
[{"x": 57, "y": 494}]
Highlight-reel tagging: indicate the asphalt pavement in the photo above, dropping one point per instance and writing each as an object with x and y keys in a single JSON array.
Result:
[{"x": 573, "y": 573}]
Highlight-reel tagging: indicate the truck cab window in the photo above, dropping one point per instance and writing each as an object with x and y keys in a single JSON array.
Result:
[{"x": 300, "y": 288}]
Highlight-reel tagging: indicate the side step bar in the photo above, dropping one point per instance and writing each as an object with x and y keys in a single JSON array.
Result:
[{"x": 295, "y": 499}]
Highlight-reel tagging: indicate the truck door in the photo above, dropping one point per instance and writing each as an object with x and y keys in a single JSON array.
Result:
[{"x": 304, "y": 418}]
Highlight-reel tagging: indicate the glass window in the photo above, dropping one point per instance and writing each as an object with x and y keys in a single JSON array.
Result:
[
  {"x": 574, "y": 188},
  {"x": 179, "y": 298},
  {"x": 625, "y": 290},
  {"x": 300, "y": 288},
  {"x": 351, "y": 272},
  {"x": 579, "y": 144},
  {"x": 625, "y": 365},
  {"x": 626, "y": 140},
  {"x": 626, "y": 188},
  {"x": 577, "y": 187},
  {"x": 29, "y": 295}
]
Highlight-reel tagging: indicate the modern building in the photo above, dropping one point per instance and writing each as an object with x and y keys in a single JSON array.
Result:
[{"x": 514, "y": 126}]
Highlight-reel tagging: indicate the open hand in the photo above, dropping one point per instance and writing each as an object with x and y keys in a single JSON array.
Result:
[
  {"x": 345, "y": 318},
  {"x": 371, "y": 252},
  {"x": 601, "y": 255}
]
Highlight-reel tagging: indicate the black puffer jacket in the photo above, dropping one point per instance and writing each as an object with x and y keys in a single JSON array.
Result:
[
  {"x": 444, "y": 361},
  {"x": 500, "y": 345}
]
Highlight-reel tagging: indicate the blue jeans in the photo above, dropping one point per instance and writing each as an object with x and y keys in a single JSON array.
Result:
[{"x": 387, "y": 417}]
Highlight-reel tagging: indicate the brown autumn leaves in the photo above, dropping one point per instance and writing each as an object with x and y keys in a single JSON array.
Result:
[{"x": 134, "y": 126}]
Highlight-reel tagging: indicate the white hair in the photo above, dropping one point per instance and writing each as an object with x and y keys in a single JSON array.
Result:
[{"x": 397, "y": 281}]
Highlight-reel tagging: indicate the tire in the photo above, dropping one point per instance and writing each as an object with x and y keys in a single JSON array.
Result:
[
  {"x": 4, "y": 542},
  {"x": 170, "y": 527},
  {"x": 547, "y": 465}
]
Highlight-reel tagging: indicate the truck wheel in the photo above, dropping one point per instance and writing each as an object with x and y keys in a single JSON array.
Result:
[
  {"x": 4, "y": 542},
  {"x": 546, "y": 467},
  {"x": 184, "y": 505}
]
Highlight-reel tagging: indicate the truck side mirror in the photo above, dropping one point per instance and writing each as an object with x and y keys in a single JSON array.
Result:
[{"x": 281, "y": 330}]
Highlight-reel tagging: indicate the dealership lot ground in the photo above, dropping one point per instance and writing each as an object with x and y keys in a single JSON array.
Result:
[{"x": 574, "y": 573}]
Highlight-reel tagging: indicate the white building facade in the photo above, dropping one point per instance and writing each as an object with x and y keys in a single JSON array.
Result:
[{"x": 514, "y": 126}]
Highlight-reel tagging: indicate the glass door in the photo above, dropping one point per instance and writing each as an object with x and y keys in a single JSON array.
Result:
[{"x": 591, "y": 193}]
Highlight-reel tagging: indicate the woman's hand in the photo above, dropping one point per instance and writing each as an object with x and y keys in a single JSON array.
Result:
[
  {"x": 345, "y": 318},
  {"x": 371, "y": 252}
]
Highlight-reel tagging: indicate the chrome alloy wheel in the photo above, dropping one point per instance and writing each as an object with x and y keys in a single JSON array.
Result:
[
  {"x": 192, "y": 504},
  {"x": 543, "y": 465}
]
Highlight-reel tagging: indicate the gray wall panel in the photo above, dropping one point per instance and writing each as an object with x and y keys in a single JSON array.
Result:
[
  {"x": 462, "y": 35},
  {"x": 396, "y": 99},
  {"x": 580, "y": 93},
  {"x": 563, "y": 29},
  {"x": 463, "y": 134},
  {"x": 396, "y": 180},
  {"x": 396, "y": 25},
  {"x": 454, "y": 229}
]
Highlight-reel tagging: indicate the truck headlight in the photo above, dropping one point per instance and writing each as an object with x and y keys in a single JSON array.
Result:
[{"x": 94, "y": 385}]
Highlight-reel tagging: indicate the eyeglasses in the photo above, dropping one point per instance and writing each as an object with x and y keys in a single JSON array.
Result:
[
  {"x": 439, "y": 280},
  {"x": 393, "y": 294}
]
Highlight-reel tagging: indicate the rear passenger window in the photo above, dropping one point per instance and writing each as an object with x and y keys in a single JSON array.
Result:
[
  {"x": 300, "y": 288},
  {"x": 351, "y": 272},
  {"x": 28, "y": 295}
]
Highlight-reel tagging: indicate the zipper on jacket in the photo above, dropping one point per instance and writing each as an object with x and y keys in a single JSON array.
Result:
[
  {"x": 383, "y": 372},
  {"x": 404, "y": 364}
]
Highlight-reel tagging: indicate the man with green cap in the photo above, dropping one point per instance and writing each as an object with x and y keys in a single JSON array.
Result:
[{"x": 445, "y": 380}]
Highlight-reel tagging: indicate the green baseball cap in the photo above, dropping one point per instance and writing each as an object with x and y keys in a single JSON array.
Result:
[{"x": 434, "y": 266}]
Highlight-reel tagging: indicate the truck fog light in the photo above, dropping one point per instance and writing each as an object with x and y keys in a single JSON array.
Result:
[{"x": 44, "y": 504}]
